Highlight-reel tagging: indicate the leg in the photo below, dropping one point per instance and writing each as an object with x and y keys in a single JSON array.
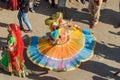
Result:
[
  {"x": 20, "y": 19},
  {"x": 31, "y": 6},
  {"x": 26, "y": 21},
  {"x": 53, "y": 3},
  {"x": 91, "y": 8}
]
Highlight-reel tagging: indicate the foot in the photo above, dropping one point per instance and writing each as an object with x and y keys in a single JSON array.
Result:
[
  {"x": 21, "y": 28},
  {"x": 93, "y": 25},
  {"x": 27, "y": 31},
  {"x": 1, "y": 9}
]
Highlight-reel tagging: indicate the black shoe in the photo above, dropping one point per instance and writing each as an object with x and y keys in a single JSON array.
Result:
[
  {"x": 32, "y": 10},
  {"x": 21, "y": 28}
]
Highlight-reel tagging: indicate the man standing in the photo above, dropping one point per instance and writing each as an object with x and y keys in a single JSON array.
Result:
[
  {"x": 22, "y": 15},
  {"x": 94, "y": 9}
]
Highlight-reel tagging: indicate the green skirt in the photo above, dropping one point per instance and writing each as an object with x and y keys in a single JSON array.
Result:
[{"x": 4, "y": 64}]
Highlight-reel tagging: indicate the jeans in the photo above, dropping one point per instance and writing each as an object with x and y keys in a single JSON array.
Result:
[{"x": 22, "y": 17}]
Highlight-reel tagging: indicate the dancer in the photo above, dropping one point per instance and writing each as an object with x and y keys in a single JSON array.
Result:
[
  {"x": 54, "y": 21},
  {"x": 62, "y": 49},
  {"x": 12, "y": 60}
]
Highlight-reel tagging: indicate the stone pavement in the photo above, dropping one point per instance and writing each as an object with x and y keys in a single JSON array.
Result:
[{"x": 106, "y": 58}]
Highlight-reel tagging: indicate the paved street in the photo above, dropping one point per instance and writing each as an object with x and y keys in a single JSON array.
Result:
[{"x": 106, "y": 59}]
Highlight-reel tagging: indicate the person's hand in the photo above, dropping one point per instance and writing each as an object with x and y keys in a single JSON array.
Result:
[
  {"x": 97, "y": 2},
  {"x": 70, "y": 23}
]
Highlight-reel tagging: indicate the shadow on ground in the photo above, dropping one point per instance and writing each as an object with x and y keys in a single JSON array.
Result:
[
  {"x": 111, "y": 17},
  {"x": 107, "y": 51},
  {"x": 4, "y": 25},
  {"x": 100, "y": 69},
  {"x": 115, "y": 33}
]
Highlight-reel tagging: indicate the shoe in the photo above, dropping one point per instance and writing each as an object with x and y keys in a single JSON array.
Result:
[
  {"x": 21, "y": 28},
  {"x": 31, "y": 10},
  {"x": 27, "y": 31},
  {"x": 93, "y": 25},
  {"x": 36, "y": 5}
]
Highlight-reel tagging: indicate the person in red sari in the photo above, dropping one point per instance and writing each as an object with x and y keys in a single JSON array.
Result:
[
  {"x": 13, "y": 60},
  {"x": 13, "y": 4}
]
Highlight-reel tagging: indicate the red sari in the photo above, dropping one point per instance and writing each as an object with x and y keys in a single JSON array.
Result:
[{"x": 13, "y": 4}]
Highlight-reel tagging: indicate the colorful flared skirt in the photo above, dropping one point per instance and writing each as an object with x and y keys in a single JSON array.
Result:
[{"x": 63, "y": 57}]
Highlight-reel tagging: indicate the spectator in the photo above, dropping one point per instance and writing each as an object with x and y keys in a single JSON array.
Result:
[
  {"x": 94, "y": 9},
  {"x": 22, "y": 15}
]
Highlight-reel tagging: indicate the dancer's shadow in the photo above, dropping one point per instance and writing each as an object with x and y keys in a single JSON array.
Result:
[
  {"x": 108, "y": 51},
  {"x": 4, "y": 25},
  {"x": 100, "y": 69}
]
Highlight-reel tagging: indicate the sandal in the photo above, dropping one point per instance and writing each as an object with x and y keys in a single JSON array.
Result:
[{"x": 27, "y": 31}]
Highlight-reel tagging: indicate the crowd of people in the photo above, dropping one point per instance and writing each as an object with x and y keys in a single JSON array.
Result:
[{"x": 65, "y": 37}]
